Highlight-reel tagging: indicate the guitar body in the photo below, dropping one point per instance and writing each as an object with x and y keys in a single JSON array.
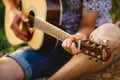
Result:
[{"x": 42, "y": 9}]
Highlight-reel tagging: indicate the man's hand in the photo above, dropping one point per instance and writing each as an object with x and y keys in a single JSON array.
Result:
[
  {"x": 70, "y": 45},
  {"x": 16, "y": 17}
]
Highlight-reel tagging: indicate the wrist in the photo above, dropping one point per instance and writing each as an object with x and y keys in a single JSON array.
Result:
[{"x": 9, "y": 4}]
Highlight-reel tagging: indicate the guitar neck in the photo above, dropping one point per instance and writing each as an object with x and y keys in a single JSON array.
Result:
[
  {"x": 99, "y": 51},
  {"x": 50, "y": 29}
]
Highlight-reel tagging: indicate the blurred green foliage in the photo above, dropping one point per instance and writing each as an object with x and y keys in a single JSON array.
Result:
[
  {"x": 115, "y": 11},
  {"x": 1, "y": 13},
  {"x": 6, "y": 47}
]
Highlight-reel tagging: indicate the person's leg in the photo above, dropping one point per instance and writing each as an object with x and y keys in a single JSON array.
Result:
[
  {"x": 80, "y": 64},
  {"x": 27, "y": 64},
  {"x": 10, "y": 69}
]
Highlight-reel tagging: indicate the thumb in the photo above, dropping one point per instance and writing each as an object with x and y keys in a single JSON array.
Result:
[{"x": 24, "y": 18}]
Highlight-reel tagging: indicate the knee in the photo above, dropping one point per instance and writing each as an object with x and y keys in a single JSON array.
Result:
[
  {"x": 10, "y": 69},
  {"x": 109, "y": 32}
]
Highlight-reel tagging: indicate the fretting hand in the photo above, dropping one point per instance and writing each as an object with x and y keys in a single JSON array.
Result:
[{"x": 70, "y": 45}]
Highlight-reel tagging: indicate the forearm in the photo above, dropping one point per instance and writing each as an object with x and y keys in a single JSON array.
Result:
[
  {"x": 88, "y": 22},
  {"x": 9, "y": 4}
]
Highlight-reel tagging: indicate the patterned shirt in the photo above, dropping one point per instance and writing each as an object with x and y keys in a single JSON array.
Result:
[
  {"x": 72, "y": 13},
  {"x": 102, "y": 6}
]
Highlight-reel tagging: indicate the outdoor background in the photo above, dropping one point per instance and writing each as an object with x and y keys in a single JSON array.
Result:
[{"x": 6, "y": 47}]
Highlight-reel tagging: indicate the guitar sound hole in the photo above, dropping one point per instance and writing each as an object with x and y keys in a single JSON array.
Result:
[{"x": 31, "y": 21}]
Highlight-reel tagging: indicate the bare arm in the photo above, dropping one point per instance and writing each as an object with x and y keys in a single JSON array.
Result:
[
  {"x": 9, "y": 4},
  {"x": 88, "y": 22}
]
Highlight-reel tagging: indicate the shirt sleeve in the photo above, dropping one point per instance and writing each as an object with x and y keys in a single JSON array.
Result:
[{"x": 96, "y": 5}]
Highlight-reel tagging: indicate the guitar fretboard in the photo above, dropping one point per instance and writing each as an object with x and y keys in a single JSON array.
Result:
[{"x": 50, "y": 29}]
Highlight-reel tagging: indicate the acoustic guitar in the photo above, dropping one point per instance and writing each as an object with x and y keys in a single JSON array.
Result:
[{"x": 45, "y": 18}]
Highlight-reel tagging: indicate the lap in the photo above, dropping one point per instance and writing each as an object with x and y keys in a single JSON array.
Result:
[{"x": 40, "y": 63}]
